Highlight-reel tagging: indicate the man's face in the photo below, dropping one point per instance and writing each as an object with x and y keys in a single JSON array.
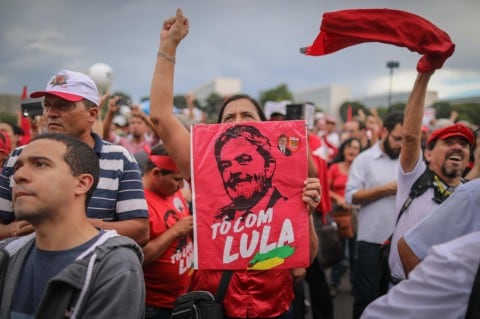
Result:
[
  {"x": 244, "y": 171},
  {"x": 43, "y": 181},
  {"x": 282, "y": 141},
  {"x": 167, "y": 185},
  {"x": 353, "y": 129},
  {"x": 392, "y": 142},
  {"x": 330, "y": 126},
  {"x": 449, "y": 157},
  {"x": 137, "y": 127},
  {"x": 71, "y": 118}
]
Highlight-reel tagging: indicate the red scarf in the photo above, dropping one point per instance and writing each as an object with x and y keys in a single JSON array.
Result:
[{"x": 345, "y": 28}]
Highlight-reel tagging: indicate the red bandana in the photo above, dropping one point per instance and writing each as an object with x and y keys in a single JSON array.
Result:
[{"x": 161, "y": 161}]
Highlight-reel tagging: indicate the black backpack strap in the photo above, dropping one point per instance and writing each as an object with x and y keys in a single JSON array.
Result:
[
  {"x": 222, "y": 287},
  {"x": 473, "y": 310},
  {"x": 420, "y": 186}
]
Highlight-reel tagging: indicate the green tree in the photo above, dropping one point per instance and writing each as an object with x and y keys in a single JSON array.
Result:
[
  {"x": 468, "y": 112},
  {"x": 279, "y": 93},
  {"x": 356, "y": 106},
  {"x": 212, "y": 106},
  {"x": 442, "y": 110},
  {"x": 180, "y": 101},
  {"x": 399, "y": 106}
]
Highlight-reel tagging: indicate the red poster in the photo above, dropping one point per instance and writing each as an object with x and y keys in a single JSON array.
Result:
[{"x": 247, "y": 186}]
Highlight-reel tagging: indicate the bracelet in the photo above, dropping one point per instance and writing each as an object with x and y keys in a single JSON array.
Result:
[{"x": 166, "y": 57}]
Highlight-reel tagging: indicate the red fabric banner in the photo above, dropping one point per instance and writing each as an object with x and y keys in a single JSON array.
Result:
[
  {"x": 247, "y": 182},
  {"x": 341, "y": 29}
]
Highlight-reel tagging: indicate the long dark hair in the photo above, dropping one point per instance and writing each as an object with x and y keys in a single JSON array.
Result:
[{"x": 340, "y": 157}]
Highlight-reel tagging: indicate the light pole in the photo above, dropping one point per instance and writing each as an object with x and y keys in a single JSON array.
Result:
[{"x": 391, "y": 65}]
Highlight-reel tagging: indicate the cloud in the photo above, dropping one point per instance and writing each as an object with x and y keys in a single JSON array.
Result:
[
  {"x": 449, "y": 83},
  {"x": 255, "y": 41}
]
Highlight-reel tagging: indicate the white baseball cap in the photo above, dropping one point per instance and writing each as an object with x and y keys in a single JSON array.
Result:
[{"x": 71, "y": 86}]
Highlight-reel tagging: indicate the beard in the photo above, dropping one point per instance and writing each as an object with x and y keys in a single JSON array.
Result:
[
  {"x": 137, "y": 135},
  {"x": 247, "y": 193},
  {"x": 452, "y": 172},
  {"x": 392, "y": 153}
]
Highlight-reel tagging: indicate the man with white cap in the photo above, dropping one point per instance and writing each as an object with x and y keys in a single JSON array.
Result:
[{"x": 71, "y": 107}]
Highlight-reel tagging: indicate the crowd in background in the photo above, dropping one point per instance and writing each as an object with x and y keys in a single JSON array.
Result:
[{"x": 366, "y": 166}]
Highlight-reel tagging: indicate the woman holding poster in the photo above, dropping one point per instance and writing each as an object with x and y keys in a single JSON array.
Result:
[{"x": 250, "y": 293}]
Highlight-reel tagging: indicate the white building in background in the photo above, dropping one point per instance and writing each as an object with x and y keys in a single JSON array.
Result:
[
  {"x": 220, "y": 86},
  {"x": 375, "y": 101},
  {"x": 329, "y": 98}
]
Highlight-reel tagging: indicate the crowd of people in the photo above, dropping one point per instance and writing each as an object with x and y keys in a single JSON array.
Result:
[{"x": 97, "y": 222}]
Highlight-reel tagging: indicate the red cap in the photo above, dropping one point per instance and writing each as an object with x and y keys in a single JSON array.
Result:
[{"x": 458, "y": 130}]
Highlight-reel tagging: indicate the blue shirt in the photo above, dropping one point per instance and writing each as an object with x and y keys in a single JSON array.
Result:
[
  {"x": 119, "y": 193},
  {"x": 39, "y": 267}
]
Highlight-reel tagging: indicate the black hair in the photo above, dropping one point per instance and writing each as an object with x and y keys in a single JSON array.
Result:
[
  {"x": 158, "y": 149},
  {"x": 250, "y": 134},
  {"x": 239, "y": 97},
  {"x": 340, "y": 157},
  {"x": 81, "y": 158},
  {"x": 392, "y": 119}
]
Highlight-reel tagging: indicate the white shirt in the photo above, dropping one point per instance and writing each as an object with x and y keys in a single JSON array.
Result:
[
  {"x": 420, "y": 207},
  {"x": 439, "y": 287},
  {"x": 461, "y": 212},
  {"x": 370, "y": 169}
]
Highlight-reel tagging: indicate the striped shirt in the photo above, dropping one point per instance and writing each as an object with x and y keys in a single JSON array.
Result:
[{"x": 119, "y": 193}]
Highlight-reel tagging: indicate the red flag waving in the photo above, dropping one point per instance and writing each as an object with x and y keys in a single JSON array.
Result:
[{"x": 341, "y": 29}]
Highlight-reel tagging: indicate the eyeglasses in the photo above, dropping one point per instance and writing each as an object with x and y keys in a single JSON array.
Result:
[{"x": 59, "y": 106}]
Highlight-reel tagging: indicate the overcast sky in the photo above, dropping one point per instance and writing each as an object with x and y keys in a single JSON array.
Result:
[{"x": 255, "y": 41}]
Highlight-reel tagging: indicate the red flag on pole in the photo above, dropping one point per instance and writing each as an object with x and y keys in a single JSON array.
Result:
[
  {"x": 24, "y": 93},
  {"x": 349, "y": 113}
]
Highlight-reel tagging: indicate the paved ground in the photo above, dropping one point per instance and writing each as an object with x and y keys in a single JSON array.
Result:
[{"x": 343, "y": 300}]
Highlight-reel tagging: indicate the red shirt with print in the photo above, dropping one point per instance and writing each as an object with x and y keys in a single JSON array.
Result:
[{"x": 169, "y": 276}]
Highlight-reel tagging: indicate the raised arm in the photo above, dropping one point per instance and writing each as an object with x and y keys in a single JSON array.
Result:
[
  {"x": 112, "y": 107},
  {"x": 171, "y": 131},
  {"x": 412, "y": 123}
]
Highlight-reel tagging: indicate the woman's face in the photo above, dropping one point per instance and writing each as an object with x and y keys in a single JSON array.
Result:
[
  {"x": 239, "y": 111},
  {"x": 351, "y": 151}
]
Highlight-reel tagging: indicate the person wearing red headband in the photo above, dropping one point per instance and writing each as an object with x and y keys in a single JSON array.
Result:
[{"x": 169, "y": 252}]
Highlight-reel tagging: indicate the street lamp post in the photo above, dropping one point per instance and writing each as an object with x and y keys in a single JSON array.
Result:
[{"x": 391, "y": 65}]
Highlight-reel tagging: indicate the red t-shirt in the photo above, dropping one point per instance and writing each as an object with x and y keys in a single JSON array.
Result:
[
  {"x": 250, "y": 294},
  {"x": 169, "y": 276},
  {"x": 338, "y": 179}
]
